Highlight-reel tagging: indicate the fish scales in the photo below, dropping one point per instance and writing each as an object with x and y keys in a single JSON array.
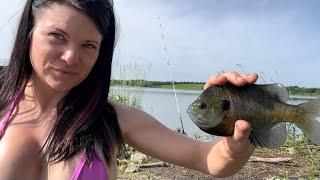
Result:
[{"x": 254, "y": 104}]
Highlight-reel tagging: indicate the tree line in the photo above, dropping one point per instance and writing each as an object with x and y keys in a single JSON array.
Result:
[
  {"x": 144, "y": 83},
  {"x": 303, "y": 90},
  {"x": 159, "y": 84}
]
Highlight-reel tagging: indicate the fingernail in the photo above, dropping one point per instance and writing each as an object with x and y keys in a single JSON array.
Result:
[
  {"x": 238, "y": 125},
  {"x": 242, "y": 126}
]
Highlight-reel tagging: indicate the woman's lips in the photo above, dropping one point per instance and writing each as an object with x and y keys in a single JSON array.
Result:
[{"x": 64, "y": 71}]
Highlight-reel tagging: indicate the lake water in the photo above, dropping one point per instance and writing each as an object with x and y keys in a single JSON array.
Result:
[{"x": 161, "y": 104}]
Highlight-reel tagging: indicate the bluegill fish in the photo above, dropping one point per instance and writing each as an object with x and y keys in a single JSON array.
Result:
[{"x": 216, "y": 110}]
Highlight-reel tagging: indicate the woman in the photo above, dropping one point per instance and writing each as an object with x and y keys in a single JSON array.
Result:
[{"x": 56, "y": 120}]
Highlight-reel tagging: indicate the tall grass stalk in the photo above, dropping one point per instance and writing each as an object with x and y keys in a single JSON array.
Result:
[
  {"x": 121, "y": 93},
  {"x": 167, "y": 59},
  {"x": 130, "y": 97}
]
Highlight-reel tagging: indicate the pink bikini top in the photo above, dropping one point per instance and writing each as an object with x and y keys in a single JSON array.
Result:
[{"x": 84, "y": 169}]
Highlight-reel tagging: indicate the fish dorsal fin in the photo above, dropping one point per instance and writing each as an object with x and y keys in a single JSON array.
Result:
[
  {"x": 277, "y": 90},
  {"x": 273, "y": 137}
]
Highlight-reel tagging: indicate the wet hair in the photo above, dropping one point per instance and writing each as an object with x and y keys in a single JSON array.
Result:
[{"x": 84, "y": 115}]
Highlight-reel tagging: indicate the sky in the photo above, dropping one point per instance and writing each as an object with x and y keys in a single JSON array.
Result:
[{"x": 279, "y": 40}]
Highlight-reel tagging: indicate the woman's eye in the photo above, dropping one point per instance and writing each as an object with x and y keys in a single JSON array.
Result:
[
  {"x": 57, "y": 36},
  {"x": 90, "y": 46}
]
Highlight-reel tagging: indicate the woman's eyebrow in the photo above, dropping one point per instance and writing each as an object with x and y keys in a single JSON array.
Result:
[
  {"x": 91, "y": 41},
  {"x": 58, "y": 29}
]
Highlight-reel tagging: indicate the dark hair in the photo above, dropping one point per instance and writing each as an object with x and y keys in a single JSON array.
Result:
[{"x": 84, "y": 115}]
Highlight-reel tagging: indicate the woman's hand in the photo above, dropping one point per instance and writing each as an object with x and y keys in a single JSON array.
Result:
[
  {"x": 235, "y": 78},
  {"x": 230, "y": 154}
]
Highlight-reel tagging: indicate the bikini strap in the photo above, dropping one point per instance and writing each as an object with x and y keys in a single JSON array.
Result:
[
  {"x": 79, "y": 166},
  {"x": 89, "y": 170},
  {"x": 7, "y": 118}
]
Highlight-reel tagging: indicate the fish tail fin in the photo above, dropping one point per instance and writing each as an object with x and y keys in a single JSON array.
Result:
[{"x": 309, "y": 124}]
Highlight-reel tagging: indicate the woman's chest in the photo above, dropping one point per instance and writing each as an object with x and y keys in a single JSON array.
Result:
[{"x": 20, "y": 157}]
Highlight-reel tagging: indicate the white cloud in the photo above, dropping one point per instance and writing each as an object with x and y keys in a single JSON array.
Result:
[
  {"x": 202, "y": 42},
  {"x": 205, "y": 37}
]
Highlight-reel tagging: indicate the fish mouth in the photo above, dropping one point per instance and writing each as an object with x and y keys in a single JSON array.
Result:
[{"x": 201, "y": 121}]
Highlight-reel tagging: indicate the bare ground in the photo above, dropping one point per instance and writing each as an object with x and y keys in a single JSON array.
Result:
[{"x": 301, "y": 167}]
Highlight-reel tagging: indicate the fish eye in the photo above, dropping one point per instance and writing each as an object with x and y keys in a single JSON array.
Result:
[
  {"x": 202, "y": 105},
  {"x": 225, "y": 105}
]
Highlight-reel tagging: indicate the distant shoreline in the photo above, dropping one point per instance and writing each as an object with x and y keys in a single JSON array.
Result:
[{"x": 293, "y": 90}]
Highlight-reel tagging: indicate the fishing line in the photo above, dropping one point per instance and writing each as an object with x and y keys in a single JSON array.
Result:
[
  {"x": 171, "y": 76},
  {"x": 11, "y": 18},
  {"x": 4, "y": 61}
]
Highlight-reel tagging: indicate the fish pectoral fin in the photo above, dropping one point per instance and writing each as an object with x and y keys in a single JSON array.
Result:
[
  {"x": 273, "y": 137},
  {"x": 277, "y": 90}
]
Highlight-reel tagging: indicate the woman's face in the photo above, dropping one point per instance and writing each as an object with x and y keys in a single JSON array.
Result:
[{"x": 64, "y": 46}]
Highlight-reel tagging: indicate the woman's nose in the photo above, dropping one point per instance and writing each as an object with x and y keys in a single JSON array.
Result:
[{"x": 70, "y": 55}]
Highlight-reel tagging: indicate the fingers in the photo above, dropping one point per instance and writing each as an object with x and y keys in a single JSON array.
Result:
[
  {"x": 252, "y": 78},
  {"x": 235, "y": 78},
  {"x": 239, "y": 144},
  {"x": 241, "y": 135},
  {"x": 241, "y": 132},
  {"x": 215, "y": 80}
]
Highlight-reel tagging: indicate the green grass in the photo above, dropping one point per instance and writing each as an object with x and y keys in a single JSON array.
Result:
[
  {"x": 306, "y": 94},
  {"x": 183, "y": 86},
  {"x": 303, "y": 148}
]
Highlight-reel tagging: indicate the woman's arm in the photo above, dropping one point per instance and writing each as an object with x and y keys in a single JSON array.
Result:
[{"x": 149, "y": 136}]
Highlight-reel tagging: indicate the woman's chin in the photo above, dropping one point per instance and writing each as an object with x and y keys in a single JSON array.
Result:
[{"x": 61, "y": 87}]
